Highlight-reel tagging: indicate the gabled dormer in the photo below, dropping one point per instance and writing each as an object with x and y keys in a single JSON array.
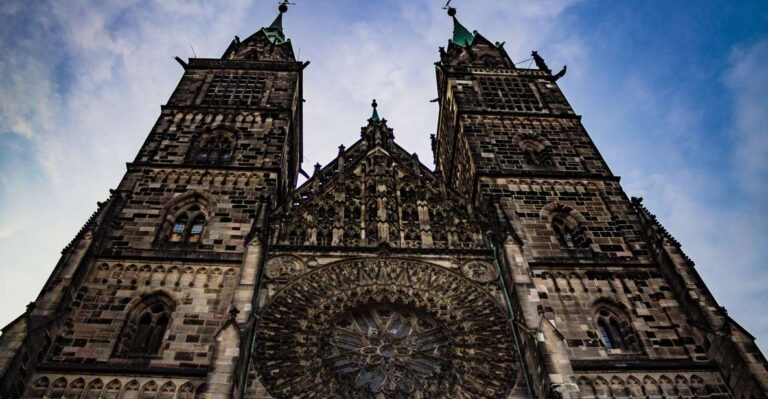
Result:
[{"x": 267, "y": 44}]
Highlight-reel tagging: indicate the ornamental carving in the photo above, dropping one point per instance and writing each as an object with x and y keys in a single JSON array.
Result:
[
  {"x": 375, "y": 193},
  {"x": 479, "y": 271},
  {"x": 284, "y": 267},
  {"x": 384, "y": 329}
]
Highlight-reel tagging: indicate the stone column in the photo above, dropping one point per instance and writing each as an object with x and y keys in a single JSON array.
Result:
[{"x": 252, "y": 261}]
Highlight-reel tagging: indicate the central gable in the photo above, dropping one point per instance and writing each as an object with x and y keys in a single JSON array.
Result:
[{"x": 376, "y": 194}]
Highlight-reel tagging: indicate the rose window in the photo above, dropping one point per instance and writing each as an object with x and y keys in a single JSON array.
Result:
[
  {"x": 387, "y": 349},
  {"x": 383, "y": 328}
]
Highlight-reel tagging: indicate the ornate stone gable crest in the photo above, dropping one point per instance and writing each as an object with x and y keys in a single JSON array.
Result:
[{"x": 376, "y": 193}]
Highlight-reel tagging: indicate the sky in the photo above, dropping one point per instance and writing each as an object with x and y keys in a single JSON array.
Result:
[{"x": 672, "y": 92}]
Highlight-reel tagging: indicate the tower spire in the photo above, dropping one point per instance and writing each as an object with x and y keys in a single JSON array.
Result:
[
  {"x": 375, "y": 116},
  {"x": 461, "y": 36},
  {"x": 275, "y": 30}
]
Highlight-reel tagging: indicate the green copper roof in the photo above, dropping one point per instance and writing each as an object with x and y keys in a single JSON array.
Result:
[
  {"x": 375, "y": 116},
  {"x": 278, "y": 23},
  {"x": 275, "y": 31},
  {"x": 461, "y": 35}
]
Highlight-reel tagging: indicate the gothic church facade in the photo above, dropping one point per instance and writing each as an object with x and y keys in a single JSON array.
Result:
[{"x": 517, "y": 268}]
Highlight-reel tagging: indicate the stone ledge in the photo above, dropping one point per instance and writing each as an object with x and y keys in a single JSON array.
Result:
[
  {"x": 623, "y": 364},
  {"x": 121, "y": 369}
]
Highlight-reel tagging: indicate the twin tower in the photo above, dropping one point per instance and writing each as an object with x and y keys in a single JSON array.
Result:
[{"x": 517, "y": 268}]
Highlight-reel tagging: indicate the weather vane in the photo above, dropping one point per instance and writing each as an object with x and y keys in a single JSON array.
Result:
[{"x": 447, "y": 5}]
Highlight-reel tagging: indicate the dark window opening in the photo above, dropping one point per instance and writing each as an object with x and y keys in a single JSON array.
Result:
[
  {"x": 146, "y": 327},
  {"x": 214, "y": 149},
  {"x": 564, "y": 233},
  {"x": 610, "y": 331}
]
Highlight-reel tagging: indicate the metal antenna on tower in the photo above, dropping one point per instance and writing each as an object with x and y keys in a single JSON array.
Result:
[{"x": 193, "y": 51}]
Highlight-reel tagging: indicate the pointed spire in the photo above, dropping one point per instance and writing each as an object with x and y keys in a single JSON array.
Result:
[
  {"x": 375, "y": 116},
  {"x": 275, "y": 30},
  {"x": 461, "y": 36},
  {"x": 277, "y": 24}
]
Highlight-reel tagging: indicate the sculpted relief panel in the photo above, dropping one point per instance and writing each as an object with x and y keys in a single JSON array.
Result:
[
  {"x": 479, "y": 271},
  {"x": 377, "y": 328},
  {"x": 284, "y": 267}
]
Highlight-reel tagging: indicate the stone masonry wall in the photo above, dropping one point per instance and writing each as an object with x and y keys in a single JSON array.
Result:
[
  {"x": 610, "y": 223},
  {"x": 495, "y": 143},
  {"x": 202, "y": 293},
  {"x": 570, "y": 297},
  {"x": 260, "y": 138},
  {"x": 242, "y": 88},
  {"x": 232, "y": 196}
]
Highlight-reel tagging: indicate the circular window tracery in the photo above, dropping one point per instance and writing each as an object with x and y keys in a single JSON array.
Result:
[
  {"x": 384, "y": 328},
  {"x": 387, "y": 349}
]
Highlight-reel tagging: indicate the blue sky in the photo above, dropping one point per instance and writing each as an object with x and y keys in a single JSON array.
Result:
[{"x": 672, "y": 92}]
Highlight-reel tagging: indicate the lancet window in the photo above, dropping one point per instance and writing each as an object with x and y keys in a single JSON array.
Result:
[
  {"x": 536, "y": 151},
  {"x": 216, "y": 147},
  {"x": 614, "y": 330},
  {"x": 188, "y": 225},
  {"x": 569, "y": 235},
  {"x": 146, "y": 326}
]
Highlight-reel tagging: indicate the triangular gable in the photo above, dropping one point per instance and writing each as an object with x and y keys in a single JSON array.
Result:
[{"x": 377, "y": 194}]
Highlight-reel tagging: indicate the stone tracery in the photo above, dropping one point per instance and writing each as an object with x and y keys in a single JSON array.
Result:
[
  {"x": 375, "y": 193},
  {"x": 387, "y": 349},
  {"x": 378, "y": 327}
]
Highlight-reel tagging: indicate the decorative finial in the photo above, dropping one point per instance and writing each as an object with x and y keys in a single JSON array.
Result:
[
  {"x": 283, "y": 7},
  {"x": 451, "y": 10},
  {"x": 375, "y": 115},
  {"x": 462, "y": 37}
]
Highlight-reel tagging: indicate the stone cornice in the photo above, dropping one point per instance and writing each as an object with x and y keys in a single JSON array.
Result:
[
  {"x": 392, "y": 252},
  {"x": 116, "y": 369},
  {"x": 623, "y": 364},
  {"x": 217, "y": 63}
]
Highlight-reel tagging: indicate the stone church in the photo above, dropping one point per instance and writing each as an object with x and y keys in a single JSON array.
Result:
[{"x": 518, "y": 268}]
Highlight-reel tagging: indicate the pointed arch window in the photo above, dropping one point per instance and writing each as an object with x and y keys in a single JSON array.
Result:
[
  {"x": 565, "y": 234},
  {"x": 146, "y": 326},
  {"x": 216, "y": 147},
  {"x": 536, "y": 151},
  {"x": 188, "y": 225},
  {"x": 611, "y": 333}
]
